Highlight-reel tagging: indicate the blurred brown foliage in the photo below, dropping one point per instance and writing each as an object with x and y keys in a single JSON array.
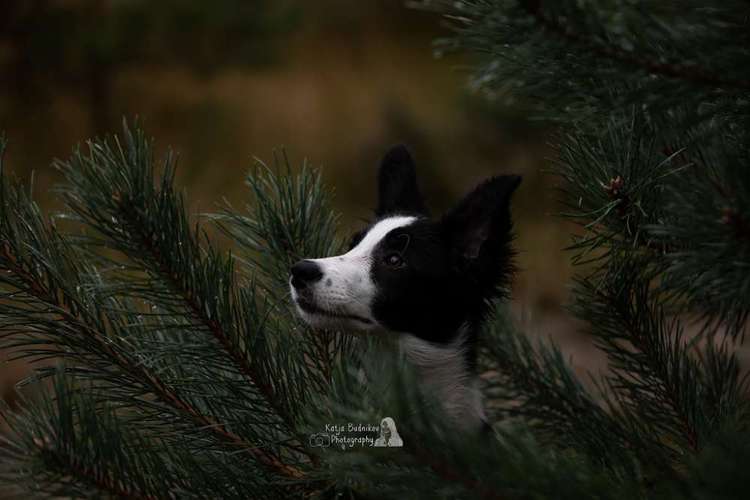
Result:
[{"x": 334, "y": 81}]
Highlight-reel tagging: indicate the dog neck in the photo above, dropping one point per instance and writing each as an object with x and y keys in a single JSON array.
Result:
[{"x": 445, "y": 371}]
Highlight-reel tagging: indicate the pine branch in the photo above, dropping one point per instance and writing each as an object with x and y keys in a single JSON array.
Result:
[
  {"x": 438, "y": 460},
  {"x": 153, "y": 383},
  {"x": 662, "y": 361},
  {"x": 535, "y": 383},
  {"x": 447, "y": 472},
  {"x": 692, "y": 74},
  {"x": 707, "y": 224},
  {"x": 201, "y": 383},
  {"x": 115, "y": 191},
  {"x": 578, "y": 62},
  {"x": 53, "y": 299},
  {"x": 56, "y": 438},
  {"x": 667, "y": 205},
  {"x": 615, "y": 185},
  {"x": 70, "y": 465},
  {"x": 676, "y": 399},
  {"x": 289, "y": 218},
  {"x": 168, "y": 273},
  {"x": 719, "y": 471}
]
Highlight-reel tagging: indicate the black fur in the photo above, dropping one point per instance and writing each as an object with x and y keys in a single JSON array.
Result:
[
  {"x": 397, "y": 185},
  {"x": 449, "y": 269}
]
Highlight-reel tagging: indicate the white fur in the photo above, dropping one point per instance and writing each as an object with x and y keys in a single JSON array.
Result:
[
  {"x": 442, "y": 369},
  {"x": 346, "y": 286}
]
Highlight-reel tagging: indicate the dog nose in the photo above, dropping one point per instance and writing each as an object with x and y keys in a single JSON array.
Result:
[{"x": 304, "y": 273}]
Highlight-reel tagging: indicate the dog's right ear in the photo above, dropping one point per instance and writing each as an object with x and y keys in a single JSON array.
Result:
[
  {"x": 397, "y": 184},
  {"x": 482, "y": 219}
]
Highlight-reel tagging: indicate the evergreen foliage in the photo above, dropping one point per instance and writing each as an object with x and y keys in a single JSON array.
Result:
[{"x": 185, "y": 372}]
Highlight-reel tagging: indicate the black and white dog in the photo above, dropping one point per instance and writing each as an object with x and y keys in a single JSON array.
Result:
[{"x": 428, "y": 281}]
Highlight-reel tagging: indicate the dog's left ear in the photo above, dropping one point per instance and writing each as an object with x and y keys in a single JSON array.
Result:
[
  {"x": 397, "y": 184},
  {"x": 482, "y": 217}
]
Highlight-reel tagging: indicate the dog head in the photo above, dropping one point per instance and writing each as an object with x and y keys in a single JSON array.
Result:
[{"x": 407, "y": 272}]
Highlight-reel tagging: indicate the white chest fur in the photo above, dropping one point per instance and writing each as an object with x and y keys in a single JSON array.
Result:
[{"x": 443, "y": 372}]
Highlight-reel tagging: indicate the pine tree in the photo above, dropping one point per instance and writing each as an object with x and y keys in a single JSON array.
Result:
[{"x": 185, "y": 373}]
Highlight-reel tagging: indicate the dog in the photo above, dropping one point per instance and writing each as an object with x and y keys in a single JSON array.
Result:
[{"x": 429, "y": 281}]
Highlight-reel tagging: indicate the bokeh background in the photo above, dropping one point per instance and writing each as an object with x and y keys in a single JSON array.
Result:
[{"x": 335, "y": 82}]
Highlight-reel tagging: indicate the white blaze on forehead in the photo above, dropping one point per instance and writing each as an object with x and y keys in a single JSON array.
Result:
[{"x": 377, "y": 233}]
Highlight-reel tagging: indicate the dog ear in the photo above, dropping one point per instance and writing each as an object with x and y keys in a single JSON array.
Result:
[
  {"x": 397, "y": 184},
  {"x": 482, "y": 218}
]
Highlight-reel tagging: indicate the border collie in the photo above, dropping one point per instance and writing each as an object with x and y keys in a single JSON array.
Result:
[{"x": 429, "y": 281}]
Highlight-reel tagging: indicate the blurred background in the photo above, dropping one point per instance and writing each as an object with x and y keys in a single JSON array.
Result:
[{"x": 335, "y": 82}]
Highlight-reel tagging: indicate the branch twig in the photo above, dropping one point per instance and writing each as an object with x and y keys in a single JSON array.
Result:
[
  {"x": 689, "y": 73},
  {"x": 165, "y": 393}
]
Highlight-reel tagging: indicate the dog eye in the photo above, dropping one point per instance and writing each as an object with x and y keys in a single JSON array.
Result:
[{"x": 394, "y": 260}]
